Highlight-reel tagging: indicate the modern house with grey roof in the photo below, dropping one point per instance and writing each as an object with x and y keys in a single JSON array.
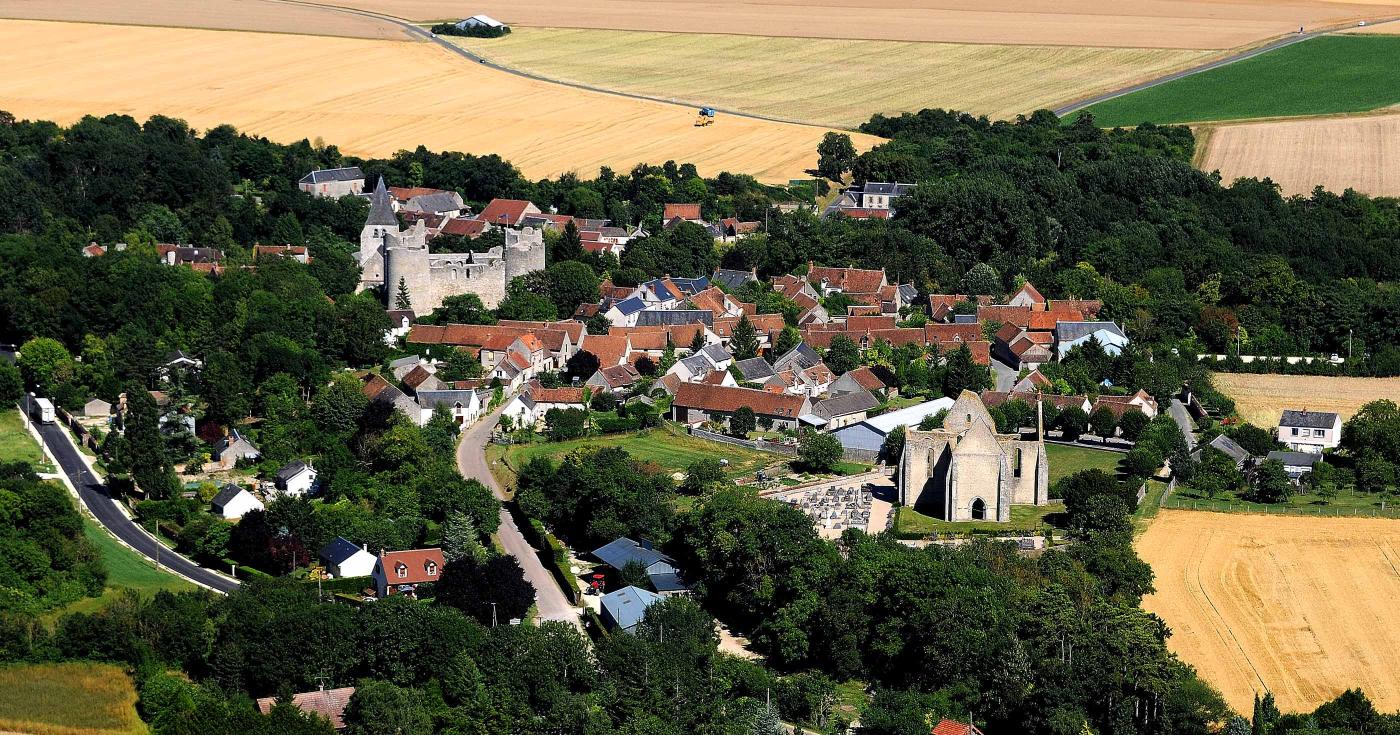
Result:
[
  {"x": 1295, "y": 464},
  {"x": 1310, "y": 431},
  {"x": 233, "y": 502},
  {"x": 333, "y": 182},
  {"x": 295, "y": 478},
  {"x": 623, "y": 610},
  {"x": 660, "y": 569},
  {"x": 344, "y": 559}
]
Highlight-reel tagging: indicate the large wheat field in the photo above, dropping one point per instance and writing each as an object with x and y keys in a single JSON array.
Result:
[
  {"x": 832, "y": 82},
  {"x": 1303, "y": 607},
  {"x": 1361, "y": 153},
  {"x": 1198, "y": 24},
  {"x": 68, "y": 699},
  {"x": 373, "y": 98},
  {"x": 234, "y": 15},
  {"x": 1260, "y": 399}
]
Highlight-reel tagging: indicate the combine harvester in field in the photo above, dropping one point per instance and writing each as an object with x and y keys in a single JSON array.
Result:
[{"x": 705, "y": 117}]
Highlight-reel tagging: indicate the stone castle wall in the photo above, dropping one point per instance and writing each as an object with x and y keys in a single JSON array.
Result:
[{"x": 432, "y": 278}]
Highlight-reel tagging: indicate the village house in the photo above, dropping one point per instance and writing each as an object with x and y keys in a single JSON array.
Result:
[
  {"x": 872, "y": 199},
  {"x": 622, "y": 610},
  {"x": 529, "y": 408},
  {"x": 1310, "y": 431},
  {"x": 296, "y": 478},
  {"x": 1296, "y": 465},
  {"x": 299, "y": 253},
  {"x": 660, "y": 569},
  {"x": 400, "y": 572},
  {"x": 1230, "y": 448},
  {"x": 1071, "y": 334},
  {"x": 344, "y": 559},
  {"x": 463, "y": 405},
  {"x": 233, "y": 502},
  {"x": 232, "y": 447},
  {"x": 696, "y": 403},
  {"x": 506, "y": 212},
  {"x": 333, "y": 183},
  {"x": 844, "y": 410},
  {"x": 861, "y": 379},
  {"x": 327, "y": 703},
  {"x": 615, "y": 379}
]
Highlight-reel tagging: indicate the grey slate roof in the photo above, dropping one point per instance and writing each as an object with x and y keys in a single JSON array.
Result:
[
  {"x": 845, "y": 405},
  {"x": 338, "y": 550},
  {"x": 697, "y": 364},
  {"x": 435, "y": 398},
  {"x": 1308, "y": 419},
  {"x": 348, "y": 173},
  {"x": 716, "y": 353},
  {"x": 626, "y": 607},
  {"x": 381, "y": 207},
  {"x": 631, "y": 306},
  {"x": 405, "y": 361},
  {"x": 755, "y": 369},
  {"x": 443, "y": 201},
  {"x": 1229, "y": 447},
  {"x": 731, "y": 279},
  {"x": 1070, "y": 331},
  {"x": 226, "y": 495},
  {"x": 1295, "y": 459},
  {"x": 654, "y": 317},
  {"x": 802, "y": 354},
  {"x": 882, "y": 187},
  {"x": 908, "y": 293},
  {"x": 619, "y": 552},
  {"x": 291, "y": 469},
  {"x": 691, "y": 286}
]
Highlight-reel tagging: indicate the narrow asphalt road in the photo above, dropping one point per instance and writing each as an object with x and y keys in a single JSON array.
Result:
[
  {"x": 1005, "y": 375},
  {"x": 550, "y": 603},
  {"x": 93, "y": 493},
  {"x": 1182, "y": 417}
]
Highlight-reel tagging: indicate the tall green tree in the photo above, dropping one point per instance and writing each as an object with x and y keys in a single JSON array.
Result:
[{"x": 743, "y": 341}]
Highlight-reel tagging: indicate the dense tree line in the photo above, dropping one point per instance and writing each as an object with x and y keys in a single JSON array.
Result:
[{"x": 45, "y": 560}]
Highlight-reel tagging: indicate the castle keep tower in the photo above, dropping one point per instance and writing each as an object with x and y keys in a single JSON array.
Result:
[{"x": 389, "y": 255}]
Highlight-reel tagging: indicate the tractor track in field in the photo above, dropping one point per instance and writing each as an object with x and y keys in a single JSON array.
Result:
[{"x": 418, "y": 31}]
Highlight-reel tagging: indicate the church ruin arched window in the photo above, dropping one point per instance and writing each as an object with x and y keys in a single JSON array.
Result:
[{"x": 979, "y": 510}]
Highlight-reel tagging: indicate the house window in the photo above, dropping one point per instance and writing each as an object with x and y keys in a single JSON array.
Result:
[
  {"x": 432, "y": 569},
  {"x": 1295, "y": 431},
  {"x": 1319, "y": 432},
  {"x": 400, "y": 571}
]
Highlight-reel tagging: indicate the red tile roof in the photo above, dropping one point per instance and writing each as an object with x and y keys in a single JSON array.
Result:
[
  {"x": 1018, "y": 315},
  {"x": 463, "y": 227},
  {"x": 328, "y": 703},
  {"x": 1029, "y": 289},
  {"x": 419, "y": 565},
  {"x": 684, "y": 211},
  {"x": 609, "y": 349},
  {"x": 950, "y": 727},
  {"x": 542, "y": 394},
  {"x": 716, "y": 398},
  {"x": 507, "y": 211},
  {"x": 1088, "y": 307},
  {"x": 866, "y": 378},
  {"x": 952, "y": 332},
  {"x": 854, "y": 323},
  {"x": 849, "y": 280},
  {"x": 862, "y": 213},
  {"x": 405, "y": 193}
]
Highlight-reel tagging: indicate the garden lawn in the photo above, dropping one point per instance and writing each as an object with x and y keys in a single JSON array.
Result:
[
  {"x": 1065, "y": 460},
  {"x": 1320, "y": 76},
  {"x": 68, "y": 699},
  {"x": 666, "y": 446}
]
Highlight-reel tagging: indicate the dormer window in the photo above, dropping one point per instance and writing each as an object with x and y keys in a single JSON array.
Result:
[
  {"x": 401, "y": 570},
  {"x": 432, "y": 568}
]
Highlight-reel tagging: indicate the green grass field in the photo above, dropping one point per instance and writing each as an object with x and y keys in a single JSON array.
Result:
[
  {"x": 1065, "y": 460},
  {"x": 1349, "y": 502},
  {"x": 126, "y": 570},
  {"x": 16, "y": 445},
  {"x": 668, "y": 447},
  {"x": 1321, "y": 76},
  {"x": 68, "y": 699}
]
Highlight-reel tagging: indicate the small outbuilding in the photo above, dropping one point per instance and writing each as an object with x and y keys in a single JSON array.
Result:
[
  {"x": 623, "y": 610},
  {"x": 97, "y": 409},
  {"x": 295, "y": 478},
  {"x": 344, "y": 559}
]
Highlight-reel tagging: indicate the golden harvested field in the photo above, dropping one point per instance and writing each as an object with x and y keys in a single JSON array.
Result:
[
  {"x": 1304, "y": 607},
  {"x": 68, "y": 699},
  {"x": 1199, "y": 24},
  {"x": 1260, "y": 399},
  {"x": 373, "y": 98},
  {"x": 236, "y": 15},
  {"x": 826, "y": 81},
  {"x": 1362, "y": 153}
]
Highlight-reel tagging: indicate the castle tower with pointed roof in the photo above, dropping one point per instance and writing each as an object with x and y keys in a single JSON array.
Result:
[
  {"x": 389, "y": 256},
  {"x": 966, "y": 471}
]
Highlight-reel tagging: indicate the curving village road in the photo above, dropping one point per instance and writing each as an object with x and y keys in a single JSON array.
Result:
[
  {"x": 92, "y": 491},
  {"x": 550, "y": 603}
]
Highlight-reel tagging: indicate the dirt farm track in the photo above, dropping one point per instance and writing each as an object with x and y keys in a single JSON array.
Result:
[
  {"x": 1302, "y": 606},
  {"x": 372, "y": 98}
]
